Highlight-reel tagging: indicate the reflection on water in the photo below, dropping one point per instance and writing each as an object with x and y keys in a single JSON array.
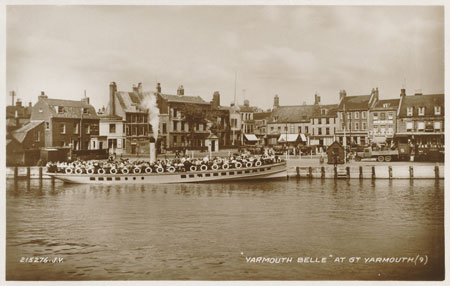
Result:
[{"x": 205, "y": 231}]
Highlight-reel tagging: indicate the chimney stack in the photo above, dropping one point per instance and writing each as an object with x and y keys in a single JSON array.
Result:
[
  {"x": 180, "y": 90},
  {"x": 216, "y": 99},
  {"x": 276, "y": 101},
  {"x": 112, "y": 103},
  {"x": 316, "y": 99},
  {"x": 42, "y": 95},
  {"x": 158, "y": 87},
  {"x": 12, "y": 93},
  {"x": 342, "y": 94},
  {"x": 30, "y": 104},
  {"x": 402, "y": 92},
  {"x": 19, "y": 102},
  {"x": 246, "y": 103},
  {"x": 139, "y": 87}
]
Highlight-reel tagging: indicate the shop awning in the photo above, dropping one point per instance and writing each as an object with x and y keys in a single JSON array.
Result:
[
  {"x": 250, "y": 137},
  {"x": 303, "y": 137},
  {"x": 288, "y": 138}
]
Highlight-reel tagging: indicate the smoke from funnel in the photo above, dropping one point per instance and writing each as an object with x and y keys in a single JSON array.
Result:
[{"x": 149, "y": 103}]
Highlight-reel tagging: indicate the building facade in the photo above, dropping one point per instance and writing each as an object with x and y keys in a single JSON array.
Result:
[
  {"x": 353, "y": 117},
  {"x": 67, "y": 122},
  {"x": 383, "y": 121},
  {"x": 420, "y": 120},
  {"x": 323, "y": 125}
]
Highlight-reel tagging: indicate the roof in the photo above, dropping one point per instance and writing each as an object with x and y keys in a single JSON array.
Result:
[
  {"x": 22, "y": 111},
  {"x": 261, "y": 115},
  {"x": 244, "y": 108},
  {"x": 429, "y": 101},
  {"x": 183, "y": 98},
  {"x": 293, "y": 113},
  {"x": 392, "y": 104},
  {"x": 72, "y": 108},
  {"x": 331, "y": 111},
  {"x": 131, "y": 101},
  {"x": 356, "y": 102},
  {"x": 22, "y": 132}
]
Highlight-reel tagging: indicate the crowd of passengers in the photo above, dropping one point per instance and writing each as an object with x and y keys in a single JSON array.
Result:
[{"x": 125, "y": 166}]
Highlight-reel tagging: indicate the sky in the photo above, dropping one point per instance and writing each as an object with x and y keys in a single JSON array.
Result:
[{"x": 254, "y": 52}]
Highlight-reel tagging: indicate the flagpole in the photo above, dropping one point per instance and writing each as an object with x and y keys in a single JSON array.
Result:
[{"x": 345, "y": 135}]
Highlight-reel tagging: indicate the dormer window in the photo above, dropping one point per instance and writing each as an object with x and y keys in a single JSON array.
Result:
[
  {"x": 40, "y": 110},
  {"x": 85, "y": 110},
  {"x": 386, "y": 105},
  {"x": 421, "y": 111},
  {"x": 409, "y": 111},
  {"x": 60, "y": 109},
  {"x": 437, "y": 110}
]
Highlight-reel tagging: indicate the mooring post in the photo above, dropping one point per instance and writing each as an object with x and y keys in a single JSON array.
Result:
[
  {"x": 310, "y": 172},
  {"x": 28, "y": 173},
  {"x": 297, "y": 169},
  {"x": 40, "y": 173},
  {"x": 322, "y": 172},
  {"x": 373, "y": 172},
  {"x": 411, "y": 172},
  {"x": 390, "y": 172},
  {"x": 335, "y": 172},
  {"x": 436, "y": 172},
  {"x": 16, "y": 173},
  {"x": 361, "y": 172},
  {"x": 348, "y": 172}
]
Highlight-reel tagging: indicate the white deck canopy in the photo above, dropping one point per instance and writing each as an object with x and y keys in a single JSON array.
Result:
[{"x": 291, "y": 138}]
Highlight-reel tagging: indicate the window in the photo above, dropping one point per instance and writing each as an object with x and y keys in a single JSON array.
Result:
[
  {"x": 420, "y": 126},
  {"x": 279, "y": 129},
  {"x": 327, "y": 131},
  {"x": 375, "y": 116},
  {"x": 62, "y": 128},
  {"x": 319, "y": 131},
  {"x": 285, "y": 128},
  {"x": 356, "y": 125},
  {"x": 175, "y": 140},
  {"x": 306, "y": 129},
  {"x": 174, "y": 126},
  {"x": 76, "y": 126},
  {"x": 47, "y": 125},
  {"x": 164, "y": 128},
  {"x": 299, "y": 129},
  {"x": 437, "y": 110},
  {"x": 356, "y": 115},
  {"x": 112, "y": 128},
  {"x": 60, "y": 109},
  {"x": 327, "y": 120},
  {"x": 93, "y": 144},
  {"x": 363, "y": 114},
  {"x": 175, "y": 113},
  {"x": 409, "y": 126},
  {"x": 40, "y": 110},
  {"x": 390, "y": 115},
  {"x": 386, "y": 105},
  {"x": 343, "y": 126},
  {"x": 85, "y": 110},
  {"x": 349, "y": 115},
  {"x": 182, "y": 126},
  {"x": 88, "y": 129},
  {"x": 437, "y": 125},
  {"x": 37, "y": 136},
  {"x": 363, "y": 126},
  {"x": 409, "y": 111},
  {"x": 323, "y": 120},
  {"x": 340, "y": 115},
  {"x": 421, "y": 111},
  {"x": 123, "y": 144},
  {"x": 382, "y": 116},
  {"x": 134, "y": 131}
]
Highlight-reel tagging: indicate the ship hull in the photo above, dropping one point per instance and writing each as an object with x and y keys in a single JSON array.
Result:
[{"x": 271, "y": 171}]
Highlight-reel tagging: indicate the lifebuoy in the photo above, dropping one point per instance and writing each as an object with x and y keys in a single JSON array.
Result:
[
  {"x": 125, "y": 171},
  {"x": 171, "y": 169},
  {"x": 101, "y": 171},
  {"x": 193, "y": 168},
  {"x": 214, "y": 167},
  {"x": 203, "y": 167},
  {"x": 159, "y": 170},
  {"x": 238, "y": 165},
  {"x": 225, "y": 166},
  {"x": 258, "y": 163},
  {"x": 136, "y": 170},
  {"x": 113, "y": 171},
  {"x": 90, "y": 171},
  {"x": 148, "y": 170},
  {"x": 248, "y": 164},
  {"x": 78, "y": 171},
  {"x": 69, "y": 170}
]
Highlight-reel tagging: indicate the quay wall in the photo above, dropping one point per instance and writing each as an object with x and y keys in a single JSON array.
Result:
[{"x": 368, "y": 172}]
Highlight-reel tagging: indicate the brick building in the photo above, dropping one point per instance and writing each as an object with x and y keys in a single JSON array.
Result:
[
  {"x": 67, "y": 122},
  {"x": 323, "y": 124},
  {"x": 383, "y": 121},
  {"x": 353, "y": 117},
  {"x": 420, "y": 119}
]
